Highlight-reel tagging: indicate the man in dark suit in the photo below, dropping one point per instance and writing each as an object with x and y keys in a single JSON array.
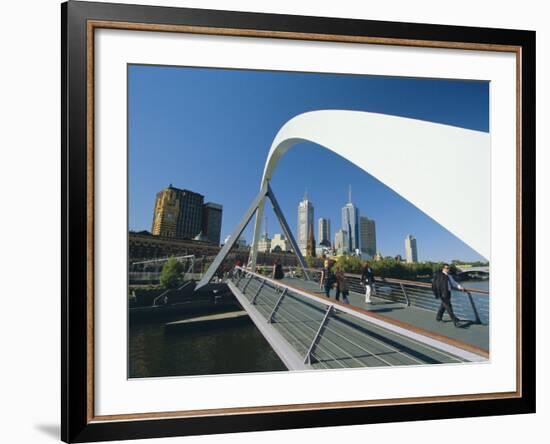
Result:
[{"x": 442, "y": 285}]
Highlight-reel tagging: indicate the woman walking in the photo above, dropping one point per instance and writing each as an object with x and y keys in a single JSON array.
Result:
[
  {"x": 327, "y": 278},
  {"x": 342, "y": 286}
]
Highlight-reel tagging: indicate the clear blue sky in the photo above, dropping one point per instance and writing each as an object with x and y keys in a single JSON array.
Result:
[{"x": 209, "y": 131}]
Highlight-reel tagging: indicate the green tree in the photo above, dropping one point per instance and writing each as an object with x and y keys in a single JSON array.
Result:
[
  {"x": 392, "y": 268},
  {"x": 313, "y": 262},
  {"x": 170, "y": 275},
  {"x": 349, "y": 264}
]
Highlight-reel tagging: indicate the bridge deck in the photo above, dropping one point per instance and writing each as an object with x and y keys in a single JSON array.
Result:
[
  {"x": 345, "y": 340},
  {"x": 476, "y": 335}
]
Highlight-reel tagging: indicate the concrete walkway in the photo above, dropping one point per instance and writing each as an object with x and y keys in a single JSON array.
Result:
[{"x": 468, "y": 333}]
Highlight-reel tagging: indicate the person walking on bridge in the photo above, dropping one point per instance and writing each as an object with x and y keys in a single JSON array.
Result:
[
  {"x": 442, "y": 284},
  {"x": 278, "y": 272},
  {"x": 327, "y": 278},
  {"x": 342, "y": 286},
  {"x": 236, "y": 270},
  {"x": 367, "y": 279}
]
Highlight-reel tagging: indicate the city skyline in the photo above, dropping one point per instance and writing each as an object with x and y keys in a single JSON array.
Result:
[
  {"x": 304, "y": 225},
  {"x": 168, "y": 143},
  {"x": 366, "y": 229}
]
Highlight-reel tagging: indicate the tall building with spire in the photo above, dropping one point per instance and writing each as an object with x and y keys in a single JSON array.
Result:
[
  {"x": 323, "y": 232},
  {"x": 367, "y": 229},
  {"x": 411, "y": 252},
  {"x": 305, "y": 223},
  {"x": 350, "y": 224},
  {"x": 264, "y": 244}
]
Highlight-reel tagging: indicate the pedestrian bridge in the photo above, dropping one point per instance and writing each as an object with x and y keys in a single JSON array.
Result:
[
  {"x": 483, "y": 269},
  {"x": 466, "y": 273},
  {"x": 309, "y": 331}
]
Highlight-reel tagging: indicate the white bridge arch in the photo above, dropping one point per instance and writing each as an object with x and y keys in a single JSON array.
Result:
[{"x": 443, "y": 170}]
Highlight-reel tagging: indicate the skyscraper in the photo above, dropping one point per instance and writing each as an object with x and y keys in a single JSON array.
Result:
[
  {"x": 341, "y": 242},
  {"x": 350, "y": 224},
  {"x": 305, "y": 223},
  {"x": 367, "y": 228},
  {"x": 324, "y": 232},
  {"x": 212, "y": 221},
  {"x": 264, "y": 244},
  {"x": 411, "y": 253}
]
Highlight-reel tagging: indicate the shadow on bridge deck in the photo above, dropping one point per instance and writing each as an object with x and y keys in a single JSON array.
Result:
[{"x": 469, "y": 334}]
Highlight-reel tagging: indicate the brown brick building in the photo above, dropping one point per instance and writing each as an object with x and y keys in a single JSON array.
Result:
[
  {"x": 182, "y": 214},
  {"x": 143, "y": 246}
]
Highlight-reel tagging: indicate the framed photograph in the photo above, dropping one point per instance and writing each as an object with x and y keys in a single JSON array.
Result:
[{"x": 275, "y": 221}]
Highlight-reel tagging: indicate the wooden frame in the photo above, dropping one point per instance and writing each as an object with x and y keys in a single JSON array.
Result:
[{"x": 79, "y": 21}]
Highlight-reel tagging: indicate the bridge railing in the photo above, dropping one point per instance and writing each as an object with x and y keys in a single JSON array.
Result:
[
  {"x": 471, "y": 305},
  {"x": 144, "y": 277},
  {"x": 149, "y": 271},
  {"x": 324, "y": 333},
  {"x": 300, "y": 318}
]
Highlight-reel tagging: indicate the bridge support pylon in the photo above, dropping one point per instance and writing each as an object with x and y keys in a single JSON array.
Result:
[{"x": 255, "y": 207}]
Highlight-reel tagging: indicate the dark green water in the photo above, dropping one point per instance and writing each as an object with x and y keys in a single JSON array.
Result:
[
  {"x": 236, "y": 349},
  {"x": 482, "y": 285}
]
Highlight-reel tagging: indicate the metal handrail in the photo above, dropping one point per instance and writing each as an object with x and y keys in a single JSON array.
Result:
[
  {"x": 389, "y": 347},
  {"x": 163, "y": 259},
  {"x": 315, "y": 346},
  {"x": 338, "y": 307},
  {"x": 270, "y": 318},
  {"x": 419, "y": 295},
  {"x": 307, "y": 359},
  {"x": 165, "y": 292},
  {"x": 474, "y": 308},
  {"x": 402, "y": 281}
]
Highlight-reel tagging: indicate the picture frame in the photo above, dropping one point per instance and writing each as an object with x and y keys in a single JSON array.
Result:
[{"x": 80, "y": 22}]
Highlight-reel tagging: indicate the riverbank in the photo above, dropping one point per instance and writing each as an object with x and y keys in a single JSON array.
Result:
[{"x": 157, "y": 351}]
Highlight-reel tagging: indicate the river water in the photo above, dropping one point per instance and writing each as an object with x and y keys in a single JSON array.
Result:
[
  {"x": 154, "y": 352},
  {"x": 481, "y": 285}
]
